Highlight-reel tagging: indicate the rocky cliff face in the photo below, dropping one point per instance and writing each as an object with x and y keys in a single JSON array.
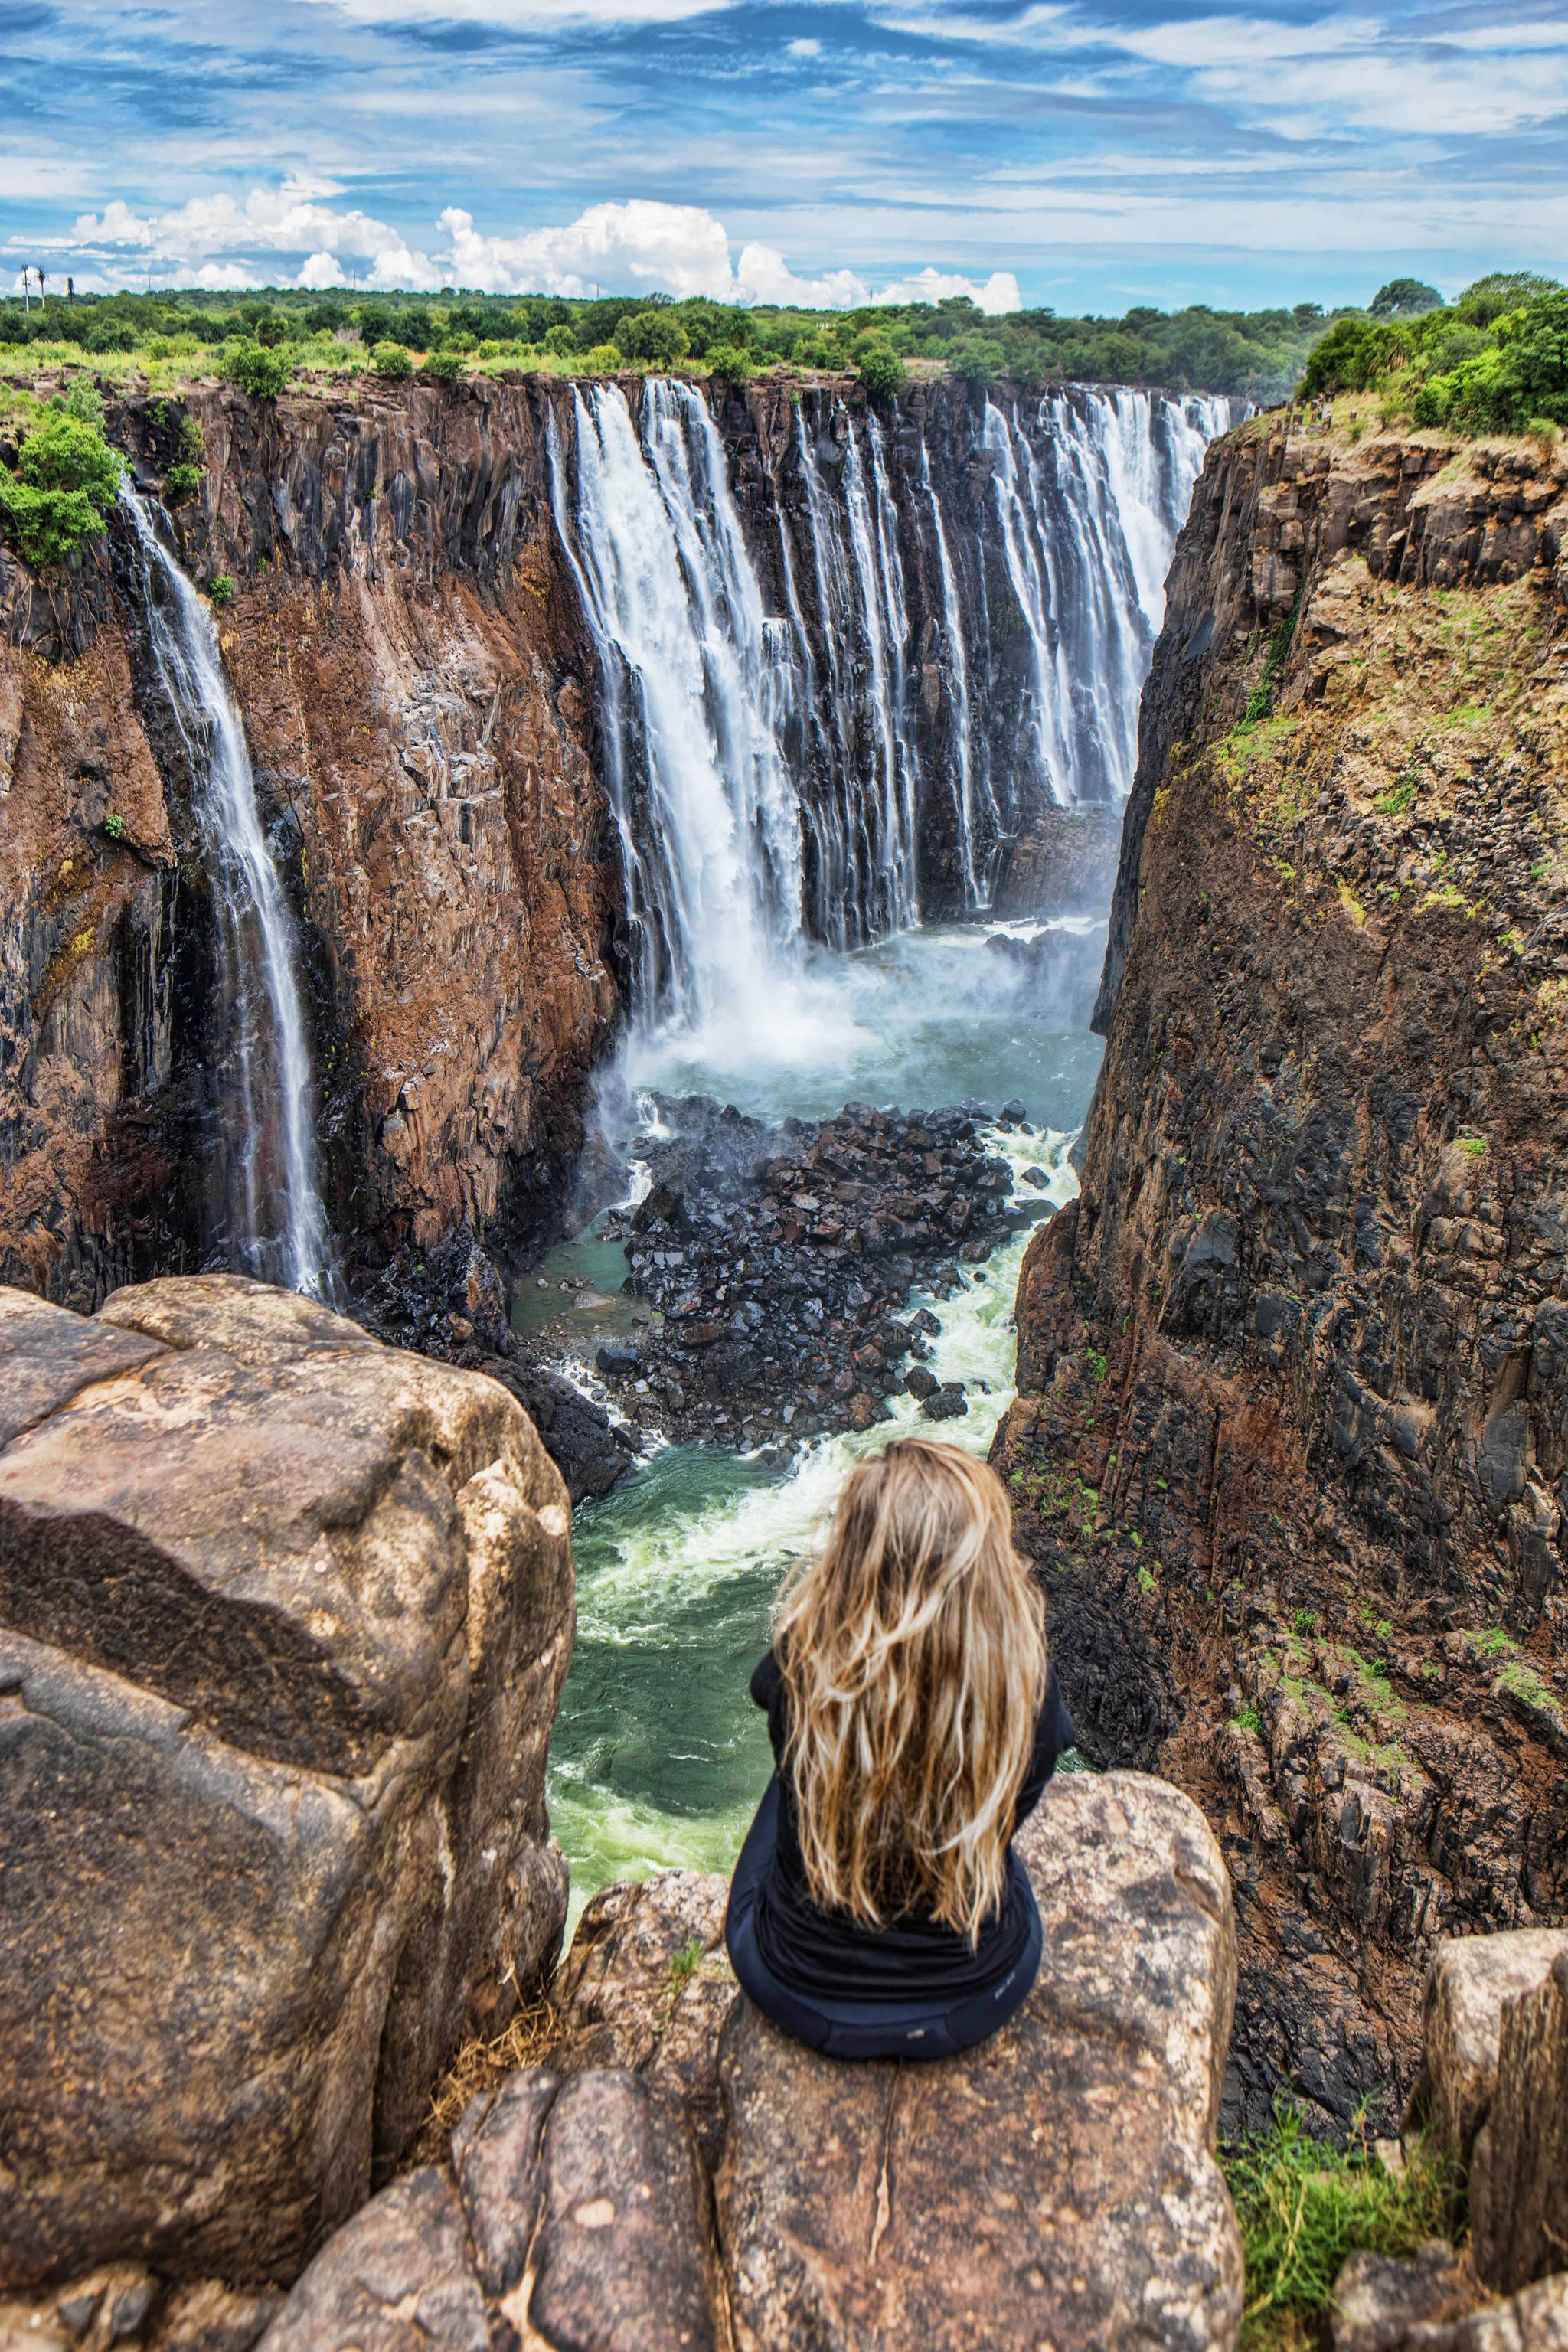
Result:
[
  {"x": 1292, "y": 1431},
  {"x": 452, "y": 792},
  {"x": 418, "y": 702}
]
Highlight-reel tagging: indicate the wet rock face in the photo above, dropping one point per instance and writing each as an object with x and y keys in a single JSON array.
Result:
[
  {"x": 778, "y": 1261},
  {"x": 284, "y": 1616},
  {"x": 1059, "y": 2181},
  {"x": 1290, "y": 1445}
]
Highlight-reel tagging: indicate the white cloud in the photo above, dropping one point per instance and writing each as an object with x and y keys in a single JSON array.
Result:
[
  {"x": 320, "y": 269},
  {"x": 762, "y": 275},
  {"x": 997, "y": 296},
  {"x": 803, "y": 49},
  {"x": 526, "y": 16},
  {"x": 617, "y": 249}
]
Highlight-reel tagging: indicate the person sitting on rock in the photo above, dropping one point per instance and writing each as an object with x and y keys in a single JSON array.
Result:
[{"x": 879, "y": 1910}]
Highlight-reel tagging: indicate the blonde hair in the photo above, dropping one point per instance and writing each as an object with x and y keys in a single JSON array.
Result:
[{"x": 914, "y": 1659}]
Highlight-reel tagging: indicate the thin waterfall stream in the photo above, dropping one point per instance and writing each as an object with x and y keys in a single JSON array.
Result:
[
  {"x": 770, "y": 775},
  {"x": 278, "y": 1225}
]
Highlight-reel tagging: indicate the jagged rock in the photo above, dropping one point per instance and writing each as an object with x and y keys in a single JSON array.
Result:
[
  {"x": 1058, "y": 2183},
  {"x": 574, "y": 2217},
  {"x": 945, "y": 1403},
  {"x": 1379, "y": 2299},
  {"x": 285, "y": 1616},
  {"x": 1470, "y": 1982}
]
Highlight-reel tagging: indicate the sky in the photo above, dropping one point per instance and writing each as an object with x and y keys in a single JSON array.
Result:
[{"x": 1090, "y": 154}]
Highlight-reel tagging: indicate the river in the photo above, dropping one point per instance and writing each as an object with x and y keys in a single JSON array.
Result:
[{"x": 659, "y": 1757}]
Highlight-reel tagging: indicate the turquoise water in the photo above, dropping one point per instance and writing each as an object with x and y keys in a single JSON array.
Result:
[{"x": 659, "y": 1757}]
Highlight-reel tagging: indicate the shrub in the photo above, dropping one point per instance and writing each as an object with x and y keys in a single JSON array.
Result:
[
  {"x": 728, "y": 363},
  {"x": 393, "y": 361},
  {"x": 445, "y": 367},
  {"x": 882, "y": 372},
  {"x": 603, "y": 360},
  {"x": 256, "y": 370},
  {"x": 376, "y": 321},
  {"x": 561, "y": 340},
  {"x": 221, "y": 588},
  {"x": 66, "y": 480},
  {"x": 82, "y": 400},
  {"x": 653, "y": 337},
  {"x": 976, "y": 361},
  {"x": 181, "y": 482},
  {"x": 1304, "y": 2207}
]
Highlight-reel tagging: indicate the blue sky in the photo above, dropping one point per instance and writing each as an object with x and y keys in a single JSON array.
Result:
[{"x": 1086, "y": 155}]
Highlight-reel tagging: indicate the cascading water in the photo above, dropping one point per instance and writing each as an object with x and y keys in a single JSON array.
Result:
[
  {"x": 283, "y": 1227},
  {"x": 1089, "y": 506},
  {"x": 709, "y": 822}
]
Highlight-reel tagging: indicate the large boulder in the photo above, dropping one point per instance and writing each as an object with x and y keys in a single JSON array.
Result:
[
  {"x": 1058, "y": 2183},
  {"x": 284, "y": 1615},
  {"x": 1056, "y": 2186}
]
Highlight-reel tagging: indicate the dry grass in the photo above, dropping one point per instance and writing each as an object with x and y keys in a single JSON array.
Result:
[{"x": 480, "y": 2066}]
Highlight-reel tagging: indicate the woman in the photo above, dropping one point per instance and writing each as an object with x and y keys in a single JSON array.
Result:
[{"x": 879, "y": 1910}]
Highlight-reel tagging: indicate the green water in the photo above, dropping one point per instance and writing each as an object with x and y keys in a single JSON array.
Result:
[{"x": 659, "y": 1756}]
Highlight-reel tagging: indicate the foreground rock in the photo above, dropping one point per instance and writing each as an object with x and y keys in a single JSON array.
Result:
[
  {"x": 779, "y": 1260},
  {"x": 285, "y": 1616},
  {"x": 1291, "y": 1440},
  {"x": 1057, "y": 2184}
]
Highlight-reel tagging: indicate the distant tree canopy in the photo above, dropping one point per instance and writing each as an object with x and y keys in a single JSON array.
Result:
[
  {"x": 1405, "y": 298},
  {"x": 1404, "y": 333},
  {"x": 1496, "y": 362}
]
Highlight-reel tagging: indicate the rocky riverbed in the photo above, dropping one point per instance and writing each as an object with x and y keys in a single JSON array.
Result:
[{"x": 777, "y": 1260}]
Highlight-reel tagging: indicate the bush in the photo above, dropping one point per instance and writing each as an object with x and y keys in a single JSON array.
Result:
[
  {"x": 82, "y": 400},
  {"x": 256, "y": 370},
  {"x": 882, "y": 372},
  {"x": 728, "y": 363},
  {"x": 975, "y": 361},
  {"x": 221, "y": 588},
  {"x": 653, "y": 337},
  {"x": 1304, "y": 2207},
  {"x": 181, "y": 482},
  {"x": 376, "y": 321},
  {"x": 562, "y": 342},
  {"x": 445, "y": 367},
  {"x": 393, "y": 361},
  {"x": 66, "y": 481},
  {"x": 603, "y": 360}
]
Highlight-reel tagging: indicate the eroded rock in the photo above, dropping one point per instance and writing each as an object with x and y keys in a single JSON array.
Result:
[{"x": 285, "y": 1615}]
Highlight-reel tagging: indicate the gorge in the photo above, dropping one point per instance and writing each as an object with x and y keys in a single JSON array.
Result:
[{"x": 655, "y": 784}]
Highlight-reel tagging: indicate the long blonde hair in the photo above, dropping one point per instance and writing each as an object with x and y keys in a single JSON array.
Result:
[{"x": 914, "y": 1659}]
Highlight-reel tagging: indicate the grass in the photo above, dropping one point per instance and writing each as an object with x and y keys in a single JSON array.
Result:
[
  {"x": 480, "y": 2066},
  {"x": 1304, "y": 2207}
]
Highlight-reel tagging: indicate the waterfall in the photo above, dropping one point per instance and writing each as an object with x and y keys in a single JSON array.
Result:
[
  {"x": 283, "y": 1224},
  {"x": 708, "y": 817},
  {"x": 768, "y": 768},
  {"x": 1089, "y": 505}
]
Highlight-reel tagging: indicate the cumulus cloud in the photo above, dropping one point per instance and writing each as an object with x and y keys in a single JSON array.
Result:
[
  {"x": 763, "y": 274},
  {"x": 318, "y": 271},
  {"x": 997, "y": 295},
  {"x": 634, "y": 247}
]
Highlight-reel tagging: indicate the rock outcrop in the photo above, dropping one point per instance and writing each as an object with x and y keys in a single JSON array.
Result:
[
  {"x": 1292, "y": 1432},
  {"x": 1056, "y": 2184},
  {"x": 284, "y": 1616}
]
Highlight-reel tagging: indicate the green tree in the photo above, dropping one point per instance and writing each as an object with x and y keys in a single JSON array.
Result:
[
  {"x": 393, "y": 361},
  {"x": 1405, "y": 298},
  {"x": 975, "y": 361},
  {"x": 255, "y": 369},
  {"x": 1503, "y": 290},
  {"x": 728, "y": 363},
  {"x": 66, "y": 480},
  {"x": 1534, "y": 366},
  {"x": 376, "y": 323},
  {"x": 562, "y": 342},
  {"x": 445, "y": 366},
  {"x": 324, "y": 318},
  {"x": 417, "y": 327},
  {"x": 880, "y": 371},
  {"x": 653, "y": 337}
]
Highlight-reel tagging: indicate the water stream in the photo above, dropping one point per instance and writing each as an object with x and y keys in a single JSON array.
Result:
[{"x": 277, "y": 1227}]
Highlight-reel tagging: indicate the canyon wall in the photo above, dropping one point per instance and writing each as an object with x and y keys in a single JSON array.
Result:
[
  {"x": 1291, "y": 1441},
  {"x": 944, "y": 610}
]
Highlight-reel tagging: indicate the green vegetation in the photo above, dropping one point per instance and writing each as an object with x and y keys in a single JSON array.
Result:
[
  {"x": 66, "y": 480},
  {"x": 1247, "y": 1719},
  {"x": 1496, "y": 362},
  {"x": 181, "y": 482},
  {"x": 257, "y": 368},
  {"x": 1304, "y": 2207},
  {"x": 393, "y": 361},
  {"x": 173, "y": 336},
  {"x": 683, "y": 1966},
  {"x": 221, "y": 589}
]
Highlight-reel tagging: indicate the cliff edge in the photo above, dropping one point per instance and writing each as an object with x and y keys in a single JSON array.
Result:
[{"x": 1292, "y": 1431}]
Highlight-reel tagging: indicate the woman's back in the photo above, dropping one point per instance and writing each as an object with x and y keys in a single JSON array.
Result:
[{"x": 914, "y": 1722}]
